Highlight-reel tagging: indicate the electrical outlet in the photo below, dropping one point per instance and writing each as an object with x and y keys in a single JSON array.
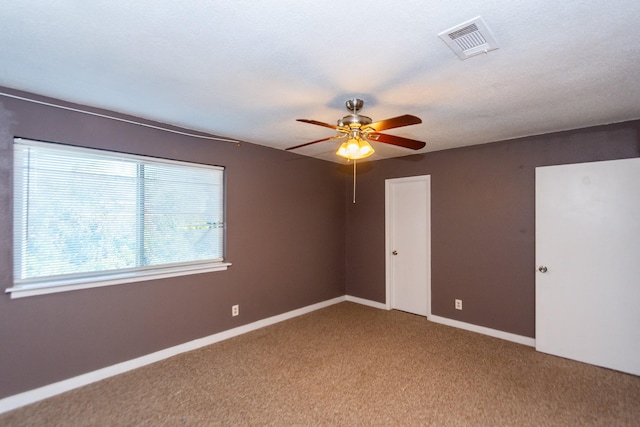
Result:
[
  {"x": 235, "y": 310},
  {"x": 458, "y": 304}
]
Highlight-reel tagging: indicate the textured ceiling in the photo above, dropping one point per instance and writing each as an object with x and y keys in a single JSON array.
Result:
[{"x": 246, "y": 70}]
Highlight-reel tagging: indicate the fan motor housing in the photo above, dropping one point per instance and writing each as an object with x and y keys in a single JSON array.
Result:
[{"x": 354, "y": 121}]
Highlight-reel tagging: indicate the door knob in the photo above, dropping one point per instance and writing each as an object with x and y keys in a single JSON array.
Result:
[
  {"x": 542, "y": 269},
  {"x": 395, "y": 252}
]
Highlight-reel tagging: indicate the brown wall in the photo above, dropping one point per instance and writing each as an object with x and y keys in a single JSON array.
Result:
[
  {"x": 482, "y": 221},
  {"x": 285, "y": 240}
]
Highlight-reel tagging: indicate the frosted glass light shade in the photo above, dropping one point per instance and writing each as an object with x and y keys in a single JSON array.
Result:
[{"x": 355, "y": 148}]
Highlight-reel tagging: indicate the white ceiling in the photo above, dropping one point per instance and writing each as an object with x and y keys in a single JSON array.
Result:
[{"x": 247, "y": 69}]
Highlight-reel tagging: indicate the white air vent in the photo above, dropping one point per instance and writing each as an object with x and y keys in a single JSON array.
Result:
[{"x": 469, "y": 38}]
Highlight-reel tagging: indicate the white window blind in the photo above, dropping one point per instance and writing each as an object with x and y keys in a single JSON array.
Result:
[{"x": 83, "y": 213}]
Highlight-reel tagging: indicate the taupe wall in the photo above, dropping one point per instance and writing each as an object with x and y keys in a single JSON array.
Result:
[
  {"x": 294, "y": 239},
  {"x": 482, "y": 224},
  {"x": 285, "y": 240}
]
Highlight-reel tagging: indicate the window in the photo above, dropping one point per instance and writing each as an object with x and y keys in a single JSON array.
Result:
[{"x": 85, "y": 217}]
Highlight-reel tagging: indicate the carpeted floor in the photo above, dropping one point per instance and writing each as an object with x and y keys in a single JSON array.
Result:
[{"x": 351, "y": 365}]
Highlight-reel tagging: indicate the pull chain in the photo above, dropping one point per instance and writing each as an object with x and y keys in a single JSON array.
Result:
[{"x": 354, "y": 180}]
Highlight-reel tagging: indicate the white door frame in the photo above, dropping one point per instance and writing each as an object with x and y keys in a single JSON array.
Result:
[{"x": 388, "y": 237}]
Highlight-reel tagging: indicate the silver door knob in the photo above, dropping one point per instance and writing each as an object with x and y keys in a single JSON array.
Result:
[
  {"x": 395, "y": 252},
  {"x": 542, "y": 269}
]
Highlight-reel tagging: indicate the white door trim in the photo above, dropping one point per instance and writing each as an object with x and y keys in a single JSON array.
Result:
[{"x": 388, "y": 237}]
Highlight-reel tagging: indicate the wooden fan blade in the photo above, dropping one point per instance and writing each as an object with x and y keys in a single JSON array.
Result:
[
  {"x": 315, "y": 122},
  {"x": 309, "y": 143},
  {"x": 395, "y": 122},
  {"x": 396, "y": 140}
]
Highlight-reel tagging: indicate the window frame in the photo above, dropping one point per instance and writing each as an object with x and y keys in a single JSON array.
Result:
[{"x": 69, "y": 282}]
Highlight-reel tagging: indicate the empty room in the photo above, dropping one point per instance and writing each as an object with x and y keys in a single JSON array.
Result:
[{"x": 319, "y": 213}]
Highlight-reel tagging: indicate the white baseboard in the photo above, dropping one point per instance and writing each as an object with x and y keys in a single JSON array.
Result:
[
  {"x": 456, "y": 324},
  {"x": 367, "y": 302},
  {"x": 22, "y": 399},
  {"x": 485, "y": 331}
]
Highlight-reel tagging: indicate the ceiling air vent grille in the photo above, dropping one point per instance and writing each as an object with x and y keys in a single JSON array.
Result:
[{"x": 469, "y": 38}]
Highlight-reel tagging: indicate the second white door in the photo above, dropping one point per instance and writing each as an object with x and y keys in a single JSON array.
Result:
[
  {"x": 408, "y": 245},
  {"x": 588, "y": 255}
]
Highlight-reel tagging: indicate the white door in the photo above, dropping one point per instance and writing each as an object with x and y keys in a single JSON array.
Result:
[
  {"x": 588, "y": 241},
  {"x": 408, "y": 244}
]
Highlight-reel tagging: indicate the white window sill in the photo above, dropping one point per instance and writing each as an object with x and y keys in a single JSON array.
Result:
[{"x": 65, "y": 285}]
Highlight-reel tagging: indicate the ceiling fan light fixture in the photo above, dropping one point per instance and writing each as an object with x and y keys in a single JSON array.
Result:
[
  {"x": 359, "y": 130},
  {"x": 355, "y": 149}
]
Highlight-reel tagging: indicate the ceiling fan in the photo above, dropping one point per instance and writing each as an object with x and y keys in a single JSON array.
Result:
[{"x": 360, "y": 129}]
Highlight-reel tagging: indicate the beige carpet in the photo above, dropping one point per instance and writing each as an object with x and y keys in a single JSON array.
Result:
[{"x": 351, "y": 365}]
